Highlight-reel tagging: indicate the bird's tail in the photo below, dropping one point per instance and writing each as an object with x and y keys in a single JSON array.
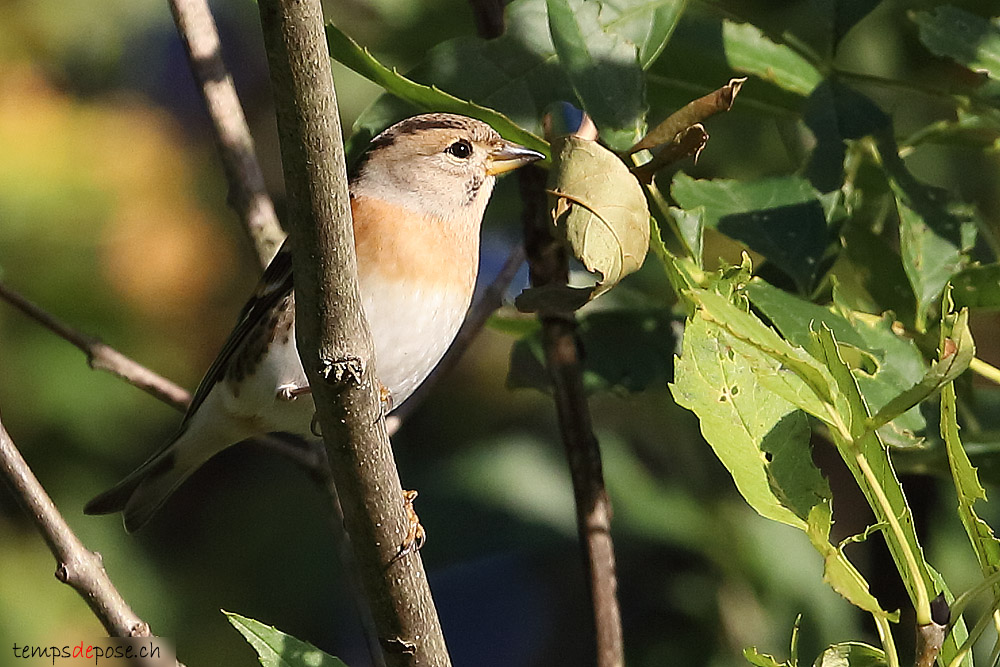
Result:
[{"x": 147, "y": 488}]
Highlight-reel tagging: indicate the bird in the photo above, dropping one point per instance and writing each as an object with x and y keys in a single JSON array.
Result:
[{"x": 417, "y": 195}]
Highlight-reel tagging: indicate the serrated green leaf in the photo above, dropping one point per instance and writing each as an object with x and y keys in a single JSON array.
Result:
[
  {"x": 955, "y": 327},
  {"x": 600, "y": 208},
  {"x": 838, "y": 571},
  {"x": 867, "y": 459},
  {"x": 749, "y": 50},
  {"x": 851, "y": 654},
  {"x": 966, "y": 38},
  {"x": 781, "y": 218},
  {"x": 715, "y": 379},
  {"x": 276, "y": 649},
  {"x": 603, "y": 67},
  {"x": 794, "y": 375},
  {"x": 899, "y": 362},
  {"x": 977, "y": 287},
  {"x": 428, "y": 98},
  {"x": 954, "y": 360}
]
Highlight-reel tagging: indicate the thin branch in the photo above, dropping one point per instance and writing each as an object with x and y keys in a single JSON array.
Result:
[
  {"x": 101, "y": 356},
  {"x": 333, "y": 336},
  {"x": 479, "y": 314},
  {"x": 548, "y": 264},
  {"x": 247, "y": 190},
  {"x": 76, "y": 566},
  {"x": 489, "y": 17}
]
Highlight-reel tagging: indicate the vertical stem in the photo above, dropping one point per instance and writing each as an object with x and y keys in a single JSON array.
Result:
[
  {"x": 549, "y": 265},
  {"x": 333, "y": 337}
]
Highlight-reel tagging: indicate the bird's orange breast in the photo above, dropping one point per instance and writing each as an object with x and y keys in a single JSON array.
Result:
[{"x": 399, "y": 244}]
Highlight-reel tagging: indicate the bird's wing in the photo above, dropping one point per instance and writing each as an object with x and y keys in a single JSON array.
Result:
[{"x": 274, "y": 286}]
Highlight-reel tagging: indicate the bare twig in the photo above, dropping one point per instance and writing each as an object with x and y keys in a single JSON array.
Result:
[
  {"x": 488, "y": 302},
  {"x": 76, "y": 565},
  {"x": 489, "y": 17},
  {"x": 548, "y": 265},
  {"x": 247, "y": 191},
  {"x": 333, "y": 336},
  {"x": 101, "y": 356}
]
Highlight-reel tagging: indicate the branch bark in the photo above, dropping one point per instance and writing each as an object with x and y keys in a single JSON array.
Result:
[
  {"x": 76, "y": 565},
  {"x": 101, "y": 356},
  {"x": 333, "y": 336},
  {"x": 247, "y": 191},
  {"x": 548, "y": 264}
]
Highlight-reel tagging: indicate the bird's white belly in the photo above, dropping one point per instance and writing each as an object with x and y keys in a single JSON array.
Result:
[{"x": 412, "y": 328}]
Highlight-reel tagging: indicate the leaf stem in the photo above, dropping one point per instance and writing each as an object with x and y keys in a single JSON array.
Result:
[
  {"x": 888, "y": 643},
  {"x": 985, "y": 370},
  {"x": 921, "y": 603}
]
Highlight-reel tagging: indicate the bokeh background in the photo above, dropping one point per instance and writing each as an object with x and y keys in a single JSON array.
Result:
[{"x": 113, "y": 217}]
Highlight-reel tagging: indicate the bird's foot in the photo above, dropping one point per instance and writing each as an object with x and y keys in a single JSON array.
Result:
[
  {"x": 415, "y": 533},
  {"x": 385, "y": 397},
  {"x": 291, "y": 391}
]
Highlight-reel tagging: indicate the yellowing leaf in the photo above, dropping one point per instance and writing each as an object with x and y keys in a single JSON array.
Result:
[{"x": 600, "y": 208}]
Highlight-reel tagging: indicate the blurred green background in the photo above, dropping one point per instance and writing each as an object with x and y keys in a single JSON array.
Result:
[{"x": 113, "y": 218}]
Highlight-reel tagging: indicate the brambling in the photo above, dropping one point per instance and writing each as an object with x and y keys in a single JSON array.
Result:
[{"x": 417, "y": 199}]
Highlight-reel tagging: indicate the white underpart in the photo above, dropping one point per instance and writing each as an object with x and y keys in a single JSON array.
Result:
[{"x": 412, "y": 328}]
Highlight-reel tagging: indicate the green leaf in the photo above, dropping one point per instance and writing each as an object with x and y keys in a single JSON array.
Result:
[
  {"x": 966, "y": 38},
  {"x": 763, "y": 660},
  {"x": 867, "y": 459},
  {"x": 749, "y": 50},
  {"x": 836, "y": 114},
  {"x": 955, "y": 356},
  {"x": 715, "y": 378},
  {"x": 899, "y": 362},
  {"x": 793, "y": 373},
  {"x": 603, "y": 67},
  {"x": 851, "y": 654},
  {"x": 838, "y": 571},
  {"x": 781, "y": 218},
  {"x": 935, "y": 234},
  {"x": 846, "y": 14},
  {"x": 955, "y": 327},
  {"x": 646, "y": 23},
  {"x": 872, "y": 273},
  {"x": 428, "y": 98},
  {"x": 276, "y": 649},
  {"x": 977, "y": 287},
  {"x": 600, "y": 208},
  {"x": 627, "y": 351}
]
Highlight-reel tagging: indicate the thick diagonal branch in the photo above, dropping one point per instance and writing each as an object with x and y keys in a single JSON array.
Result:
[
  {"x": 548, "y": 264},
  {"x": 333, "y": 336}
]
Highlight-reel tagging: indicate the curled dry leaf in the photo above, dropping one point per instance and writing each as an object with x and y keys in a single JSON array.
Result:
[
  {"x": 600, "y": 208},
  {"x": 689, "y": 115},
  {"x": 690, "y": 141}
]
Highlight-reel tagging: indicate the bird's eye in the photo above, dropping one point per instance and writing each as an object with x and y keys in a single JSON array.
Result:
[{"x": 460, "y": 149}]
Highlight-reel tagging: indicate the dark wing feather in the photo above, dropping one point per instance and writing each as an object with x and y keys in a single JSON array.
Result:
[{"x": 274, "y": 286}]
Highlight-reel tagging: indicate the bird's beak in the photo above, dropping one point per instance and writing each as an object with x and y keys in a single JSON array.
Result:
[{"x": 510, "y": 156}]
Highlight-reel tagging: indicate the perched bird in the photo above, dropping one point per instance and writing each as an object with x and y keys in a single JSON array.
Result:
[{"x": 417, "y": 198}]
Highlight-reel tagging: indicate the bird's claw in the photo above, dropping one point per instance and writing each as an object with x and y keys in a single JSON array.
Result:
[
  {"x": 415, "y": 533},
  {"x": 291, "y": 391}
]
